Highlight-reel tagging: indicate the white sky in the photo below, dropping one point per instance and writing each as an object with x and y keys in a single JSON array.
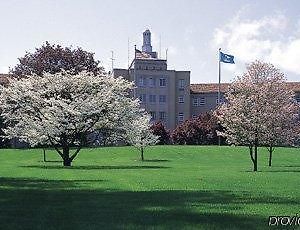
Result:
[{"x": 267, "y": 30}]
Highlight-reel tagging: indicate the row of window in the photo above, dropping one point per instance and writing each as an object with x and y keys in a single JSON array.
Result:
[
  {"x": 150, "y": 67},
  {"x": 201, "y": 101},
  {"x": 161, "y": 115},
  {"x": 152, "y": 98},
  {"x": 152, "y": 82},
  {"x": 162, "y": 82},
  {"x": 161, "y": 98}
]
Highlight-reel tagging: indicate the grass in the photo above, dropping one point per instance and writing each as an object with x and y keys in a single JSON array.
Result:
[{"x": 177, "y": 187}]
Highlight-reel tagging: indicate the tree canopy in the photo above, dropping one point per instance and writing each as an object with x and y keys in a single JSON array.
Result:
[
  {"x": 62, "y": 109},
  {"x": 259, "y": 109},
  {"x": 53, "y": 58}
]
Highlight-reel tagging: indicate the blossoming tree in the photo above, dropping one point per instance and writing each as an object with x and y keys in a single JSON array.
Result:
[
  {"x": 259, "y": 109},
  {"x": 62, "y": 109},
  {"x": 140, "y": 134}
]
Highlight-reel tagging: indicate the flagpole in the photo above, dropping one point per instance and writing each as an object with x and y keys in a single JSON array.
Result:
[
  {"x": 134, "y": 75},
  {"x": 219, "y": 90},
  {"x": 219, "y": 83}
]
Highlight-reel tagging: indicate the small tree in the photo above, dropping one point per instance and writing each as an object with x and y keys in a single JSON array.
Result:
[
  {"x": 159, "y": 130},
  {"x": 55, "y": 58},
  {"x": 251, "y": 107},
  {"x": 62, "y": 109},
  {"x": 139, "y": 134}
]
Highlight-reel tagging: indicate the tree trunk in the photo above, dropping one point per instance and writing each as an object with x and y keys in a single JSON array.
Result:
[
  {"x": 271, "y": 149},
  {"x": 142, "y": 153},
  {"x": 67, "y": 162},
  {"x": 255, "y": 158},
  {"x": 44, "y": 154},
  {"x": 66, "y": 156}
]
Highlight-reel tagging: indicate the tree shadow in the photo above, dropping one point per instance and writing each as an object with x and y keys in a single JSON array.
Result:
[
  {"x": 51, "y": 204},
  {"x": 51, "y": 161},
  {"x": 96, "y": 167},
  {"x": 288, "y": 166},
  {"x": 157, "y": 160},
  {"x": 283, "y": 171},
  {"x": 40, "y": 184}
]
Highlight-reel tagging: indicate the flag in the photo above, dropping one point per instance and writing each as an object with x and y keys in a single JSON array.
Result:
[
  {"x": 226, "y": 58},
  {"x": 141, "y": 54}
]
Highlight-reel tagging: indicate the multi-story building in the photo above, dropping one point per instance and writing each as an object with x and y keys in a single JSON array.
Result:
[
  {"x": 167, "y": 94},
  {"x": 164, "y": 93}
]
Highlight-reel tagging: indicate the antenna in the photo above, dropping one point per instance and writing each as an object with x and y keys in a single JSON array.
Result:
[
  {"x": 128, "y": 53},
  {"x": 159, "y": 46},
  {"x": 112, "y": 61},
  {"x": 166, "y": 54}
]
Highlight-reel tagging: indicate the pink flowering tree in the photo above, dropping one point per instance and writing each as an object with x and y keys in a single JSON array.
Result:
[{"x": 259, "y": 110}]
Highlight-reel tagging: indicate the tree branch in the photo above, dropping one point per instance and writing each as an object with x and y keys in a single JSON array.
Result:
[{"x": 56, "y": 148}]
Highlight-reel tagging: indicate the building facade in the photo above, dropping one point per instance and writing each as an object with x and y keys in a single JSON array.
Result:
[
  {"x": 164, "y": 93},
  {"x": 167, "y": 94}
]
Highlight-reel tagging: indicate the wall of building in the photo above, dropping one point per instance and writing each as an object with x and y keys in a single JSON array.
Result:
[{"x": 203, "y": 102}]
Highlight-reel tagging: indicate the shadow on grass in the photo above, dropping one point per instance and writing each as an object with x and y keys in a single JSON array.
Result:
[
  {"x": 288, "y": 166},
  {"x": 50, "y": 161},
  {"x": 96, "y": 167},
  {"x": 273, "y": 171},
  {"x": 156, "y": 160},
  {"x": 51, "y": 204},
  {"x": 41, "y": 184},
  {"x": 283, "y": 171}
]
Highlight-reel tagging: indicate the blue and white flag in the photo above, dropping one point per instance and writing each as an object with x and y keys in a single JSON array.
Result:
[{"x": 226, "y": 58}]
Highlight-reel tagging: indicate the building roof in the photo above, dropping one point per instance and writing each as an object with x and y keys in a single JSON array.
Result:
[
  {"x": 208, "y": 88},
  {"x": 213, "y": 87}
]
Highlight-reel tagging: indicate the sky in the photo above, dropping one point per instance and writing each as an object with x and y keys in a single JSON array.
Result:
[{"x": 191, "y": 30}]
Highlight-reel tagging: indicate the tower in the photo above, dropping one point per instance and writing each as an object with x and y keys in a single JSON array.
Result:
[{"x": 147, "y": 41}]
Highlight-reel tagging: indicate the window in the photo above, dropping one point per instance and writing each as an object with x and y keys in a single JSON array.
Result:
[
  {"x": 152, "y": 98},
  {"x": 194, "y": 116},
  {"x": 217, "y": 100},
  {"x": 162, "y": 116},
  {"x": 142, "y": 81},
  {"x": 152, "y": 82},
  {"x": 180, "y": 117},
  {"x": 298, "y": 99},
  {"x": 153, "y": 115},
  {"x": 181, "y": 84},
  {"x": 195, "y": 101},
  {"x": 142, "y": 98},
  {"x": 162, "y": 98},
  {"x": 162, "y": 82},
  {"x": 180, "y": 99},
  {"x": 201, "y": 101}
]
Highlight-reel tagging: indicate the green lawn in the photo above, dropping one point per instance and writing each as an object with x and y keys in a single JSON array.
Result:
[{"x": 177, "y": 187}]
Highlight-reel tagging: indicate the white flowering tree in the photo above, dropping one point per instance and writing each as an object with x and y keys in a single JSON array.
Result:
[
  {"x": 140, "y": 135},
  {"x": 259, "y": 110},
  {"x": 63, "y": 109}
]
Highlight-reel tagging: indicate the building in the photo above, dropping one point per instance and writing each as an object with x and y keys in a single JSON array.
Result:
[
  {"x": 164, "y": 93},
  {"x": 167, "y": 94}
]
